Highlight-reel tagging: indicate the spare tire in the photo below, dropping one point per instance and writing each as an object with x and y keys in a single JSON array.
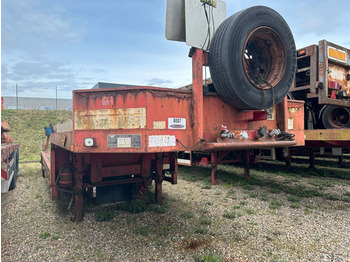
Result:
[
  {"x": 336, "y": 117},
  {"x": 252, "y": 59}
]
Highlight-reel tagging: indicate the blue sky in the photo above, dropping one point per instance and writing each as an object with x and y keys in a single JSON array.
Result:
[{"x": 72, "y": 44}]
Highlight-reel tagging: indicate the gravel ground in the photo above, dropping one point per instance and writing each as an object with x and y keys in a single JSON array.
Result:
[{"x": 225, "y": 222}]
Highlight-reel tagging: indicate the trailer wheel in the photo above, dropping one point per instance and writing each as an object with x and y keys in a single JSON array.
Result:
[
  {"x": 15, "y": 169},
  {"x": 42, "y": 167},
  {"x": 252, "y": 59},
  {"x": 13, "y": 182},
  {"x": 336, "y": 117}
]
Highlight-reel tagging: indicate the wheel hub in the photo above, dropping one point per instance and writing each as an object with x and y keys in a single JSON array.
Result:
[{"x": 264, "y": 58}]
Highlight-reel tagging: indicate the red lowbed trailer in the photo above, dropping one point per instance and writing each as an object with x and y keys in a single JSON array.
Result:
[{"x": 130, "y": 135}]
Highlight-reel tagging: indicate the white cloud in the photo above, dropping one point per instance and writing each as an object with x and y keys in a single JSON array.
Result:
[
  {"x": 30, "y": 30},
  {"x": 40, "y": 77},
  {"x": 158, "y": 82},
  {"x": 31, "y": 26}
]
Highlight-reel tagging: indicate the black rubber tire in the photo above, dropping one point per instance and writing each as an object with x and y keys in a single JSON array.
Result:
[
  {"x": 42, "y": 167},
  {"x": 329, "y": 121},
  {"x": 16, "y": 170},
  {"x": 13, "y": 182},
  {"x": 226, "y": 65}
]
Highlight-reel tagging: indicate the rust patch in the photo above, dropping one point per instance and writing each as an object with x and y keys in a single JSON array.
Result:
[
  {"x": 264, "y": 58},
  {"x": 125, "y": 118},
  {"x": 107, "y": 101},
  {"x": 191, "y": 110}
]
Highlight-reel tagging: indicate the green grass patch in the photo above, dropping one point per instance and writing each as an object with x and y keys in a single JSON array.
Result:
[
  {"x": 319, "y": 161},
  {"x": 272, "y": 178},
  {"x": 160, "y": 209},
  {"x": 165, "y": 230},
  {"x": 253, "y": 195},
  {"x": 231, "y": 193},
  {"x": 294, "y": 205},
  {"x": 346, "y": 199},
  {"x": 205, "y": 221},
  {"x": 275, "y": 204},
  {"x": 274, "y": 190},
  {"x": 205, "y": 211},
  {"x": 321, "y": 183},
  {"x": 333, "y": 197},
  {"x": 27, "y": 129},
  {"x": 104, "y": 215},
  {"x": 264, "y": 197},
  {"x": 187, "y": 214},
  {"x": 303, "y": 191},
  {"x": 208, "y": 256},
  {"x": 250, "y": 211},
  {"x": 45, "y": 235},
  {"x": 142, "y": 231},
  {"x": 293, "y": 199},
  {"x": 230, "y": 214},
  {"x": 248, "y": 187},
  {"x": 347, "y": 193},
  {"x": 243, "y": 202},
  {"x": 38, "y": 247},
  {"x": 206, "y": 185},
  {"x": 145, "y": 203},
  {"x": 237, "y": 237},
  {"x": 135, "y": 206},
  {"x": 201, "y": 230}
]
